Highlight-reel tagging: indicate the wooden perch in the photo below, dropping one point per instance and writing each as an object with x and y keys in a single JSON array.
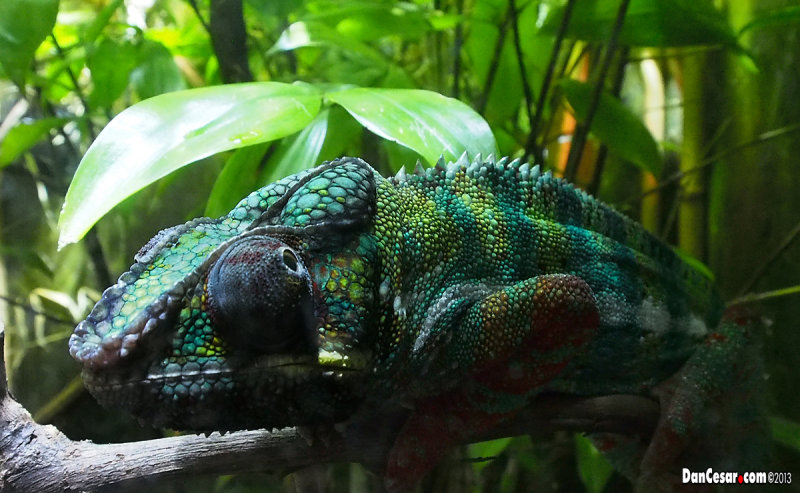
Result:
[{"x": 40, "y": 458}]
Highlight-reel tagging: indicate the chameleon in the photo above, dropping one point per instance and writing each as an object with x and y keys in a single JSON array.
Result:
[{"x": 462, "y": 292}]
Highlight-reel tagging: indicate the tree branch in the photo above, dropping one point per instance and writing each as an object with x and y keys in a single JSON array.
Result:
[
  {"x": 40, "y": 458},
  {"x": 229, "y": 39}
]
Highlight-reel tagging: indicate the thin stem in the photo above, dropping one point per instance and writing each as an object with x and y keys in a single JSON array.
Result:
[
  {"x": 776, "y": 293},
  {"x": 762, "y": 269},
  {"x": 530, "y": 144},
  {"x": 458, "y": 41},
  {"x": 196, "y": 9},
  {"x": 582, "y": 130},
  {"x": 760, "y": 139},
  {"x": 492, "y": 72},
  {"x": 599, "y": 166},
  {"x": 526, "y": 87},
  {"x": 77, "y": 87}
]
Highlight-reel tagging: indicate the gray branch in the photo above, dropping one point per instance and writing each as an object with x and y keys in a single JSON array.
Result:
[{"x": 36, "y": 457}]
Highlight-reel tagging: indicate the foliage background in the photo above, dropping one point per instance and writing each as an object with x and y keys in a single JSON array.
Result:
[{"x": 716, "y": 86}]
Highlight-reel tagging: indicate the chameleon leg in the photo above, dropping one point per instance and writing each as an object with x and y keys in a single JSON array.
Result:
[
  {"x": 514, "y": 341},
  {"x": 710, "y": 411}
]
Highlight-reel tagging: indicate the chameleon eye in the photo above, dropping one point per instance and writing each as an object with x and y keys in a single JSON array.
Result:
[
  {"x": 290, "y": 259},
  {"x": 259, "y": 297}
]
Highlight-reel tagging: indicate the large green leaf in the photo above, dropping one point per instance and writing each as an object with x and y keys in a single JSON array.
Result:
[
  {"x": 23, "y": 26},
  {"x": 615, "y": 125},
  {"x": 424, "y": 121},
  {"x": 162, "y": 134},
  {"x": 647, "y": 23}
]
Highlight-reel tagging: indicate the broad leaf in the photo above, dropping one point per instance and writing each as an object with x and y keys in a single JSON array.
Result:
[
  {"x": 111, "y": 63},
  {"x": 23, "y": 26},
  {"x": 156, "y": 73},
  {"x": 616, "y": 126},
  {"x": 162, "y": 134},
  {"x": 424, "y": 121}
]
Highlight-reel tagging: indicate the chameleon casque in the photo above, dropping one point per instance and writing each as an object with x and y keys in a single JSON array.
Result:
[{"x": 462, "y": 291}]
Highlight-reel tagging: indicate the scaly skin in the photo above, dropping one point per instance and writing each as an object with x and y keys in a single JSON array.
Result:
[{"x": 462, "y": 291}]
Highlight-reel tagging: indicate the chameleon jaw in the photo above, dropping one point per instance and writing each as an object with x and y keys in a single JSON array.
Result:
[{"x": 217, "y": 394}]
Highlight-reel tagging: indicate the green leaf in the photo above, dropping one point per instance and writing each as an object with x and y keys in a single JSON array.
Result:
[
  {"x": 786, "y": 432},
  {"x": 156, "y": 73},
  {"x": 647, "y": 23},
  {"x": 300, "y": 151},
  {"x": 307, "y": 34},
  {"x": 343, "y": 135},
  {"x": 236, "y": 179},
  {"x": 367, "y": 21},
  {"x": 593, "y": 468},
  {"x": 694, "y": 263},
  {"x": 424, "y": 121},
  {"x": 101, "y": 21},
  {"x": 24, "y": 136},
  {"x": 155, "y": 137},
  {"x": 488, "y": 449},
  {"x": 777, "y": 17},
  {"x": 615, "y": 125},
  {"x": 23, "y": 26},
  {"x": 111, "y": 63}
]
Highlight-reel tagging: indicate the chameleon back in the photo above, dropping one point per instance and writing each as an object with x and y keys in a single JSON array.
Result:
[{"x": 451, "y": 234}]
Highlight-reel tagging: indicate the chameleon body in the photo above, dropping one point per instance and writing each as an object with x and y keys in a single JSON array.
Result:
[{"x": 461, "y": 291}]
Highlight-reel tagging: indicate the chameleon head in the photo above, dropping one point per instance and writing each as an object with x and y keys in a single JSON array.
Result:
[{"x": 220, "y": 324}]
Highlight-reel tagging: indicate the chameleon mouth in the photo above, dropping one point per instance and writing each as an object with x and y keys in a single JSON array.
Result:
[
  {"x": 327, "y": 363},
  {"x": 219, "y": 394}
]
